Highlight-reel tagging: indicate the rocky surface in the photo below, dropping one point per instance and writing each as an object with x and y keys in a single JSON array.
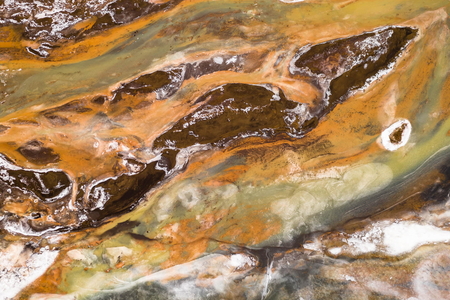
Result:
[{"x": 233, "y": 150}]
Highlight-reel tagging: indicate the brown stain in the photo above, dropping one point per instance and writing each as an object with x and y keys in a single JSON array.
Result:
[
  {"x": 191, "y": 240},
  {"x": 363, "y": 129},
  {"x": 22, "y": 208},
  {"x": 9, "y": 34},
  {"x": 113, "y": 159},
  {"x": 188, "y": 230},
  {"x": 228, "y": 176},
  {"x": 412, "y": 100},
  {"x": 49, "y": 282},
  {"x": 183, "y": 253},
  {"x": 74, "y": 144},
  {"x": 249, "y": 230},
  {"x": 192, "y": 237},
  {"x": 213, "y": 79},
  {"x": 444, "y": 104},
  {"x": 396, "y": 136}
]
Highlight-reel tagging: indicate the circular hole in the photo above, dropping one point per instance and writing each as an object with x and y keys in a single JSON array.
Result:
[{"x": 35, "y": 215}]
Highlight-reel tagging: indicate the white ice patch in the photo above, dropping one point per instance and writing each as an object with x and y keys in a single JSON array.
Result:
[
  {"x": 350, "y": 278},
  {"x": 335, "y": 250},
  {"x": 240, "y": 261},
  {"x": 4, "y": 163},
  {"x": 366, "y": 241},
  {"x": 232, "y": 60},
  {"x": 18, "y": 271},
  {"x": 176, "y": 77},
  {"x": 395, "y": 238},
  {"x": 313, "y": 246},
  {"x": 4, "y": 175},
  {"x": 21, "y": 227},
  {"x": 218, "y": 60},
  {"x": 276, "y": 94},
  {"x": 404, "y": 237},
  {"x": 206, "y": 113},
  {"x": 114, "y": 145},
  {"x": 101, "y": 196},
  {"x": 391, "y": 145},
  {"x": 299, "y": 113}
]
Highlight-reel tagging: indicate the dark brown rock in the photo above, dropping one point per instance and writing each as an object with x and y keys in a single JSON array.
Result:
[{"x": 37, "y": 154}]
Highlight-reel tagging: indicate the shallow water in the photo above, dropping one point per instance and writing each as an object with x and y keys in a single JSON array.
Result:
[{"x": 242, "y": 150}]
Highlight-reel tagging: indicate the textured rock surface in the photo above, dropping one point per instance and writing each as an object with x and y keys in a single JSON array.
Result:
[{"x": 224, "y": 149}]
